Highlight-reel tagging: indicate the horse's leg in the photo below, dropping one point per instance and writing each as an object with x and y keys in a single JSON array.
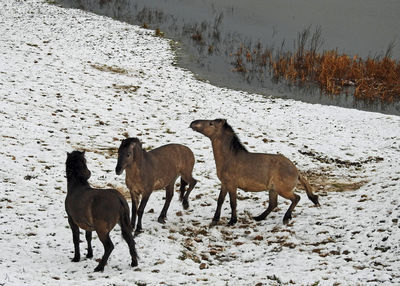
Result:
[
  {"x": 272, "y": 203},
  {"x": 221, "y": 199},
  {"x": 134, "y": 210},
  {"x": 192, "y": 183},
  {"x": 127, "y": 235},
  {"x": 75, "y": 239},
  {"x": 232, "y": 199},
  {"x": 182, "y": 189},
  {"x": 143, "y": 202},
  {"x": 108, "y": 248},
  {"x": 288, "y": 215},
  {"x": 169, "y": 192},
  {"x": 89, "y": 244}
]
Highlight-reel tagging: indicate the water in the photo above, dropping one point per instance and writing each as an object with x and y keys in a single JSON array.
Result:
[{"x": 211, "y": 31}]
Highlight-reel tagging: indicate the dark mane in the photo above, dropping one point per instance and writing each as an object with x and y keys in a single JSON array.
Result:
[
  {"x": 74, "y": 161},
  {"x": 235, "y": 144},
  {"x": 75, "y": 166},
  {"x": 128, "y": 141}
]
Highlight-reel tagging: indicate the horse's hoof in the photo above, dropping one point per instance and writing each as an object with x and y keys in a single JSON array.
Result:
[
  {"x": 161, "y": 220},
  {"x": 99, "y": 269},
  {"x": 89, "y": 255},
  {"x": 134, "y": 263},
  {"x": 232, "y": 222},
  {"x": 213, "y": 223},
  {"x": 185, "y": 204},
  {"x": 258, "y": 218},
  {"x": 286, "y": 218},
  {"x": 76, "y": 259},
  {"x": 138, "y": 231}
]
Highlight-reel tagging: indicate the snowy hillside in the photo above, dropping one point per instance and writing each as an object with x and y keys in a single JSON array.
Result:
[{"x": 73, "y": 80}]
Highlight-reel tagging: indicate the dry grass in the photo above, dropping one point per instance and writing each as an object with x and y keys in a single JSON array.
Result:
[
  {"x": 107, "y": 152},
  {"x": 126, "y": 88},
  {"x": 158, "y": 33},
  {"x": 320, "y": 181},
  {"x": 198, "y": 37},
  {"x": 107, "y": 68},
  {"x": 370, "y": 79}
]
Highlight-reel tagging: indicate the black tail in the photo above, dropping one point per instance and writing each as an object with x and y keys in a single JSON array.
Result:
[
  {"x": 126, "y": 230},
  {"x": 124, "y": 219},
  {"x": 310, "y": 195},
  {"x": 182, "y": 189}
]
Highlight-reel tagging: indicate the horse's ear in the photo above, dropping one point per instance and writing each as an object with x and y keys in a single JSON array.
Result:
[
  {"x": 136, "y": 142},
  {"x": 221, "y": 122},
  {"x": 131, "y": 145}
]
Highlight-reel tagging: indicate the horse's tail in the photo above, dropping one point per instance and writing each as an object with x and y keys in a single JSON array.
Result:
[
  {"x": 124, "y": 219},
  {"x": 126, "y": 229},
  {"x": 310, "y": 195}
]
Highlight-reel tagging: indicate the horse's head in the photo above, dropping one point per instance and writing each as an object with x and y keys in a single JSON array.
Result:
[
  {"x": 209, "y": 128},
  {"x": 127, "y": 152},
  {"x": 76, "y": 166}
]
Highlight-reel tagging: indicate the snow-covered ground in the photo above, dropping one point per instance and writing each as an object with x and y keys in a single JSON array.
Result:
[{"x": 73, "y": 80}]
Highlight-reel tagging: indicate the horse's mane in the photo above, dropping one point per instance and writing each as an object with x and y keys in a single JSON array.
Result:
[
  {"x": 128, "y": 141},
  {"x": 73, "y": 168},
  {"x": 72, "y": 160},
  {"x": 235, "y": 144}
]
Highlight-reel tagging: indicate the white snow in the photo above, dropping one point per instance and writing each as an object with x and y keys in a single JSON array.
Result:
[{"x": 60, "y": 90}]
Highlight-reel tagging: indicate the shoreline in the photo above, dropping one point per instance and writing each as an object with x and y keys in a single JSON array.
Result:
[{"x": 207, "y": 40}]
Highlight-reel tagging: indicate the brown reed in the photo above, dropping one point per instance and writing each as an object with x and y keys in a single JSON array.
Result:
[{"x": 334, "y": 73}]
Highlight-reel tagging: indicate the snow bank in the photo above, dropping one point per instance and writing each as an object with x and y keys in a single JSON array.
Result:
[{"x": 73, "y": 80}]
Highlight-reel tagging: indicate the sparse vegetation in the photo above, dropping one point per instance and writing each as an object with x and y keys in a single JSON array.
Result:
[
  {"x": 371, "y": 79},
  {"x": 159, "y": 33},
  {"x": 198, "y": 37},
  {"x": 126, "y": 88},
  {"x": 107, "y": 68}
]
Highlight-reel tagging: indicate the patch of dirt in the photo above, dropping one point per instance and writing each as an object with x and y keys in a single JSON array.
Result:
[
  {"x": 338, "y": 162},
  {"x": 329, "y": 183},
  {"x": 107, "y": 68},
  {"x": 126, "y": 88},
  {"x": 107, "y": 152}
]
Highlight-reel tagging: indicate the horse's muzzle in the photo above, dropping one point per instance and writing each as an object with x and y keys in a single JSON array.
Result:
[
  {"x": 118, "y": 170},
  {"x": 195, "y": 125}
]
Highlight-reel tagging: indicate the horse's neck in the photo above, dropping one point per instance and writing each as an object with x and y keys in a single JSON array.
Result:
[
  {"x": 221, "y": 150},
  {"x": 74, "y": 184},
  {"x": 133, "y": 168},
  {"x": 136, "y": 166}
]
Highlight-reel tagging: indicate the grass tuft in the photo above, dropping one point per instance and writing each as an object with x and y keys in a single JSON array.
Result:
[
  {"x": 371, "y": 79},
  {"x": 107, "y": 68}
]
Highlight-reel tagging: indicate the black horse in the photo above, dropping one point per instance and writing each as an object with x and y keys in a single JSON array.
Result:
[{"x": 94, "y": 210}]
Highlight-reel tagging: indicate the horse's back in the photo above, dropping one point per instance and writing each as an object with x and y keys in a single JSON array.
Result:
[
  {"x": 172, "y": 147},
  {"x": 259, "y": 171},
  {"x": 107, "y": 206},
  {"x": 174, "y": 153},
  {"x": 279, "y": 165},
  {"x": 107, "y": 198}
]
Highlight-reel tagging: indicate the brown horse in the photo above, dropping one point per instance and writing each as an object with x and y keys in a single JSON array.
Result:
[
  {"x": 154, "y": 170},
  {"x": 94, "y": 210},
  {"x": 252, "y": 172}
]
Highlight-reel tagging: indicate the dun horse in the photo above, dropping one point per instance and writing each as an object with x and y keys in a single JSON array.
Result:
[
  {"x": 252, "y": 172},
  {"x": 154, "y": 170},
  {"x": 94, "y": 210}
]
